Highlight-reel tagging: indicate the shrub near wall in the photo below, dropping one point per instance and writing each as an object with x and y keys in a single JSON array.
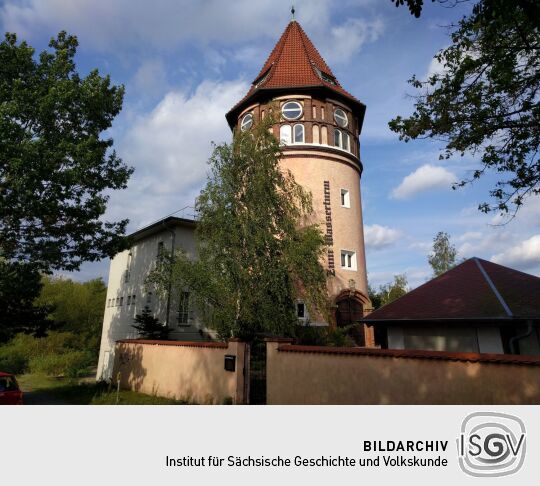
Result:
[{"x": 54, "y": 355}]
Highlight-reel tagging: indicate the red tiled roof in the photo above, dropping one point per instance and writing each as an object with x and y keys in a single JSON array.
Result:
[
  {"x": 293, "y": 63},
  {"x": 414, "y": 354},
  {"x": 475, "y": 289}
]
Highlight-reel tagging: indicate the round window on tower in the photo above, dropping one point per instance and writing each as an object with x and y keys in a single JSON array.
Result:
[
  {"x": 292, "y": 110},
  {"x": 341, "y": 117},
  {"x": 247, "y": 122}
]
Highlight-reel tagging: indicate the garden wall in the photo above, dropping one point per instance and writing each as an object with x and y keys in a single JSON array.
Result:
[
  {"x": 323, "y": 375},
  {"x": 191, "y": 371}
]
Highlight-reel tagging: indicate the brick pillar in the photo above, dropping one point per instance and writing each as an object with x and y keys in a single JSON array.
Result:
[{"x": 369, "y": 336}]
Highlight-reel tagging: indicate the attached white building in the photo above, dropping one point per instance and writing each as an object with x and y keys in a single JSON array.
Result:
[{"x": 128, "y": 293}]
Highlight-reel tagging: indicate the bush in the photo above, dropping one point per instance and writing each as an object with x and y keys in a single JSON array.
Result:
[
  {"x": 71, "y": 364},
  {"x": 11, "y": 361},
  {"x": 323, "y": 336}
]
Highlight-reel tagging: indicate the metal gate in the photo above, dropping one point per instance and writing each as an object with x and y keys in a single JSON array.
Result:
[{"x": 257, "y": 372}]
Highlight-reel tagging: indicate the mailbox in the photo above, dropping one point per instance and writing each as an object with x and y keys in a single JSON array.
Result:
[{"x": 230, "y": 362}]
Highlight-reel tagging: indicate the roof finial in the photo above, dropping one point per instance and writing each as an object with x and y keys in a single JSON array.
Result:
[{"x": 292, "y": 13}]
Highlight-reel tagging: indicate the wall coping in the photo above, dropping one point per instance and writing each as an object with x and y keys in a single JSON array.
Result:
[
  {"x": 415, "y": 354},
  {"x": 190, "y": 344}
]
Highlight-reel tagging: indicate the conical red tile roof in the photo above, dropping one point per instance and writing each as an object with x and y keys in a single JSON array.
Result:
[{"x": 295, "y": 63}]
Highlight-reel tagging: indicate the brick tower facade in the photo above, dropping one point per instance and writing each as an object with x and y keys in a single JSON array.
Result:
[{"x": 319, "y": 127}]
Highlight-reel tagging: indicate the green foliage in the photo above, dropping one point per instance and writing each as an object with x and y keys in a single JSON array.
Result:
[
  {"x": 375, "y": 297},
  {"x": 76, "y": 307},
  {"x": 149, "y": 326},
  {"x": 393, "y": 290},
  {"x": 485, "y": 101},
  {"x": 444, "y": 254},
  {"x": 55, "y": 170},
  {"x": 71, "y": 364},
  {"x": 20, "y": 284},
  {"x": 324, "y": 336},
  {"x": 56, "y": 354},
  {"x": 257, "y": 250}
]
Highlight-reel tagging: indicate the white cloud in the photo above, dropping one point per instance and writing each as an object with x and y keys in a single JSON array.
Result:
[
  {"x": 423, "y": 179},
  {"x": 109, "y": 25},
  {"x": 350, "y": 37},
  {"x": 377, "y": 236},
  {"x": 524, "y": 255},
  {"x": 169, "y": 148}
]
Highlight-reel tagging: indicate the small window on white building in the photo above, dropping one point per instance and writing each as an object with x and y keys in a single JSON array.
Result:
[
  {"x": 299, "y": 133},
  {"x": 285, "y": 134},
  {"x": 117, "y": 301},
  {"x": 121, "y": 301},
  {"x": 348, "y": 259},
  {"x": 183, "y": 309},
  {"x": 345, "y": 199}
]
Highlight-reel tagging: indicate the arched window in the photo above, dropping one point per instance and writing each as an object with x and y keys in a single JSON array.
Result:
[
  {"x": 314, "y": 112},
  {"x": 316, "y": 136},
  {"x": 247, "y": 122},
  {"x": 299, "y": 133},
  {"x": 338, "y": 138},
  {"x": 285, "y": 134},
  {"x": 346, "y": 143},
  {"x": 292, "y": 110},
  {"x": 324, "y": 135}
]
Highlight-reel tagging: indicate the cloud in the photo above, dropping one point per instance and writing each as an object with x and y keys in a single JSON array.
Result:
[
  {"x": 350, "y": 37},
  {"x": 377, "y": 236},
  {"x": 424, "y": 178},
  {"x": 169, "y": 147},
  {"x": 108, "y": 25},
  {"x": 525, "y": 255}
]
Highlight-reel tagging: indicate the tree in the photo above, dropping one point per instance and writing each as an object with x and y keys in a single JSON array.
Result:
[
  {"x": 394, "y": 290},
  {"x": 444, "y": 254},
  {"x": 55, "y": 170},
  {"x": 76, "y": 307},
  {"x": 149, "y": 326},
  {"x": 485, "y": 100},
  {"x": 20, "y": 285},
  {"x": 257, "y": 250}
]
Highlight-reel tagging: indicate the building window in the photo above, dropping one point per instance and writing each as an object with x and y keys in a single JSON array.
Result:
[
  {"x": 117, "y": 301},
  {"x": 121, "y": 301},
  {"x": 322, "y": 112},
  {"x": 285, "y": 134},
  {"x": 149, "y": 298},
  {"x": 346, "y": 143},
  {"x": 300, "y": 310},
  {"x": 183, "y": 309},
  {"x": 345, "y": 199},
  {"x": 338, "y": 138},
  {"x": 133, "y": 300},
  {"x": 341, "y": 117},
  {"x": 299, "y": 133},
  {"x": 324, "y": 135},
  {"x": 292, "y": 110},
  {"x": 129, "y": 300},
  {"x": 348, "y": 260},
  {"x": 314, "y": 112},
  {"x": 247, "y": 122}
]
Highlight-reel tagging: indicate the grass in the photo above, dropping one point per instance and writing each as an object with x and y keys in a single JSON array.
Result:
[{"x": 43, "y": 390}]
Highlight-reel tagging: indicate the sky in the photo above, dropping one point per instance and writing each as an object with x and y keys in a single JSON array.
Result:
[{"x": 184, "y": 64}]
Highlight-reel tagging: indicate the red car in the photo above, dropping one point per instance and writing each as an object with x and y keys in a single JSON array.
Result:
[{"x": 10, "y": 394}]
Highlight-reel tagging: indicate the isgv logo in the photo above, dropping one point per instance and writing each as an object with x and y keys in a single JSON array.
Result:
[{"x": 491, "y": 444}]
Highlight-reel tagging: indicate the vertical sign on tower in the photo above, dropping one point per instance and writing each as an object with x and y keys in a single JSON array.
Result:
[{"x": 329, "y": 236}]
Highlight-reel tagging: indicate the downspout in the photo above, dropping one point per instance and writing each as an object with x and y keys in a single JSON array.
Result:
[
  {"x": 173, "y": 234},
  {"x": 513, "y": 341}
]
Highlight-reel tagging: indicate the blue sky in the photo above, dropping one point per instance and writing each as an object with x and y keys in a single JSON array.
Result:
[{"x": 185, "y": 63}]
